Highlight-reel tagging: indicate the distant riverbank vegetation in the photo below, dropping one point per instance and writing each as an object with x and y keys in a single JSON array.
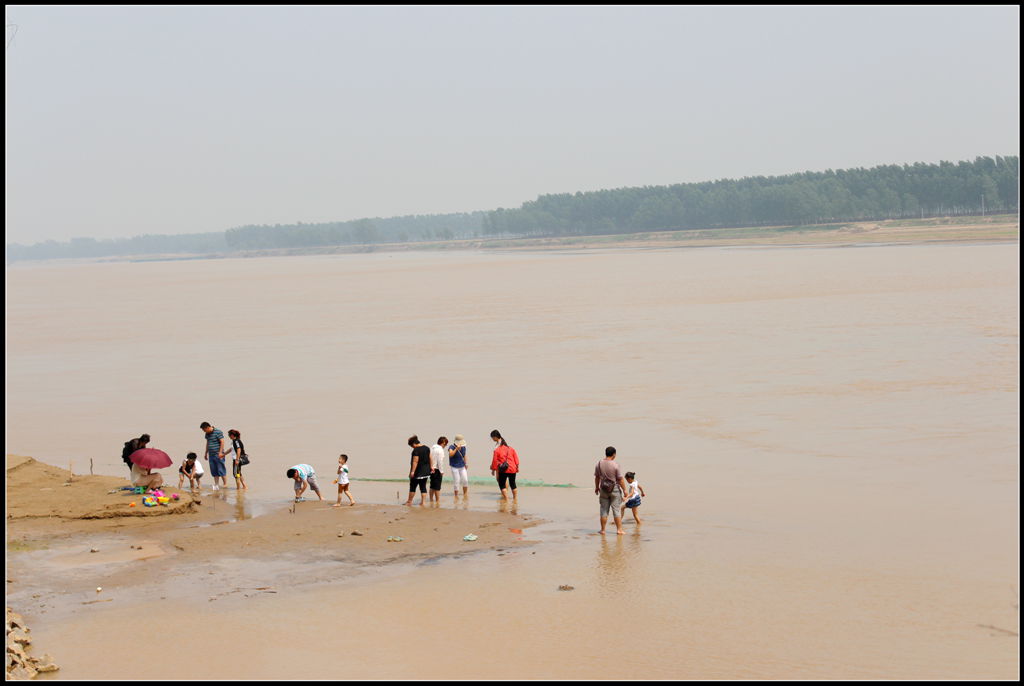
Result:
[{"x": 988, "y": 185}]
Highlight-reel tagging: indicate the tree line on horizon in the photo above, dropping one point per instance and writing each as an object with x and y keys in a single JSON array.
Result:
[{"x": 988, "y": 185}]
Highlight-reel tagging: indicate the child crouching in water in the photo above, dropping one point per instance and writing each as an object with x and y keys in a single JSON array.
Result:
[
  {"x": 192, "y": 469},
  {"x": 342, "y": 481},
  {"x": 633, "y": 498}
]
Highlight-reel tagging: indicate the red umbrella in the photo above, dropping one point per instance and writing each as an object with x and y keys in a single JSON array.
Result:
[{"x": 151, "y": 458}]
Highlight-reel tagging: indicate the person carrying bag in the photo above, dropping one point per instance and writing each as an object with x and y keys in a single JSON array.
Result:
[
  {"x": 239, "y": 458},
  {"x": 504, "y": 464}
]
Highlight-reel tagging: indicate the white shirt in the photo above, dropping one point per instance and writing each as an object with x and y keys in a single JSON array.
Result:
[
  {"x": 634, "y": 489},
  {"x": 342, "y": 474},
  {"x": 138, "y": 474},
  {"x": 437, "y": 458}
]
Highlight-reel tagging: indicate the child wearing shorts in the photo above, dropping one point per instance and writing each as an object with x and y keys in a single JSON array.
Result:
[
  {"x": 191, "y": 468},
  {"x": 342, "y": 481},
  {"x": 633, "y": 497}
]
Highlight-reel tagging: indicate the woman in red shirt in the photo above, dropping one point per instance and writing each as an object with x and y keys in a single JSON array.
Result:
[{"x": 504, "y": 464}]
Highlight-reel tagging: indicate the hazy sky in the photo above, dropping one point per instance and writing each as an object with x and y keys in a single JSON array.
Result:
[{"x": 128, "y": 120}]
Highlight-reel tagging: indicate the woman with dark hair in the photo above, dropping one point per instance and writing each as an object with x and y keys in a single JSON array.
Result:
[
  {"x": 143, "y": 476},
  {"x": 130, "y": 446},
  {"x": 504, "y": 464},
  {"x": 237, "y": 453}
]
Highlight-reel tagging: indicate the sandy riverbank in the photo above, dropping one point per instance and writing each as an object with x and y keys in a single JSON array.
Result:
[
  {"x": 68, "y": 536},
  {"x": 46, "y": 504},
  {"x": 55, "y": 496}
]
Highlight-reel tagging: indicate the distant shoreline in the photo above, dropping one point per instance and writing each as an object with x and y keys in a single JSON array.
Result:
[{"x": 976, "y": 229}]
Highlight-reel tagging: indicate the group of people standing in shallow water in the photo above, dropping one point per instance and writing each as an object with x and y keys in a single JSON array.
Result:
[
  {"x": 616, "y": 491},
  {"x": 426, "y": 468},
  {"x": 217, "y": 452},
  {"x": 428, "y": 464}
]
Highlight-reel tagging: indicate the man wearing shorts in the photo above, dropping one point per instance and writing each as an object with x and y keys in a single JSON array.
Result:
[
  {"x": 419, "y": 469},
  {"x": 214, "y": 453},
  {"x": 303, "y": 476},
  {"x": 610, "y": 487}
]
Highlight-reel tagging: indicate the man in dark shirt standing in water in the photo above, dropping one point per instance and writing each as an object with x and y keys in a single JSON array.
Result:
[{"x": 419, "y": 469}]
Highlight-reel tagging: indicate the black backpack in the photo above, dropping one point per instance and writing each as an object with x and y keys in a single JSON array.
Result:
[{"x": 129, "y": 448}]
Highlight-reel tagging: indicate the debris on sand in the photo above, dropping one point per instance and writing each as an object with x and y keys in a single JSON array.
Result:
[{"x": 21, "y": 665}]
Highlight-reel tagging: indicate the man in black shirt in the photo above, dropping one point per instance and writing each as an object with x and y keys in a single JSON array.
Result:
[{"x": 419, "y": 469}]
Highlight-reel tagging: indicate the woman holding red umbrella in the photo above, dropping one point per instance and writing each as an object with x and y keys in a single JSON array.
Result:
[{"x": 144, "y": 461}]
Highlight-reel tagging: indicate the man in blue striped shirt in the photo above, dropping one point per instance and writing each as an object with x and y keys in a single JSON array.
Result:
[{"x": 215, "y": 453}]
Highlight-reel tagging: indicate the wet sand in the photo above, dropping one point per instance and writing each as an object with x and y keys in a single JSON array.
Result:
[
  {"x": 240, "y": 589},
  {"x": 88, "y": 532},
  {"x": 828, "y": 437}
]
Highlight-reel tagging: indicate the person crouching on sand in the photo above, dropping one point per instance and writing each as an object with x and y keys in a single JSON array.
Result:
[
  {"x": 146, "y": 478},
  {"x": 342, "y": 481},
  {"x": 303, "y": 476}
]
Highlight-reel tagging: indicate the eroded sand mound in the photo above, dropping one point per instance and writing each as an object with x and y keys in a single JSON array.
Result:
[{"x": 37, "y": 490}]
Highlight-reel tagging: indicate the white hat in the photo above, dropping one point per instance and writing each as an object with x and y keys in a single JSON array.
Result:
[{"x": 460, "y": 440}]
